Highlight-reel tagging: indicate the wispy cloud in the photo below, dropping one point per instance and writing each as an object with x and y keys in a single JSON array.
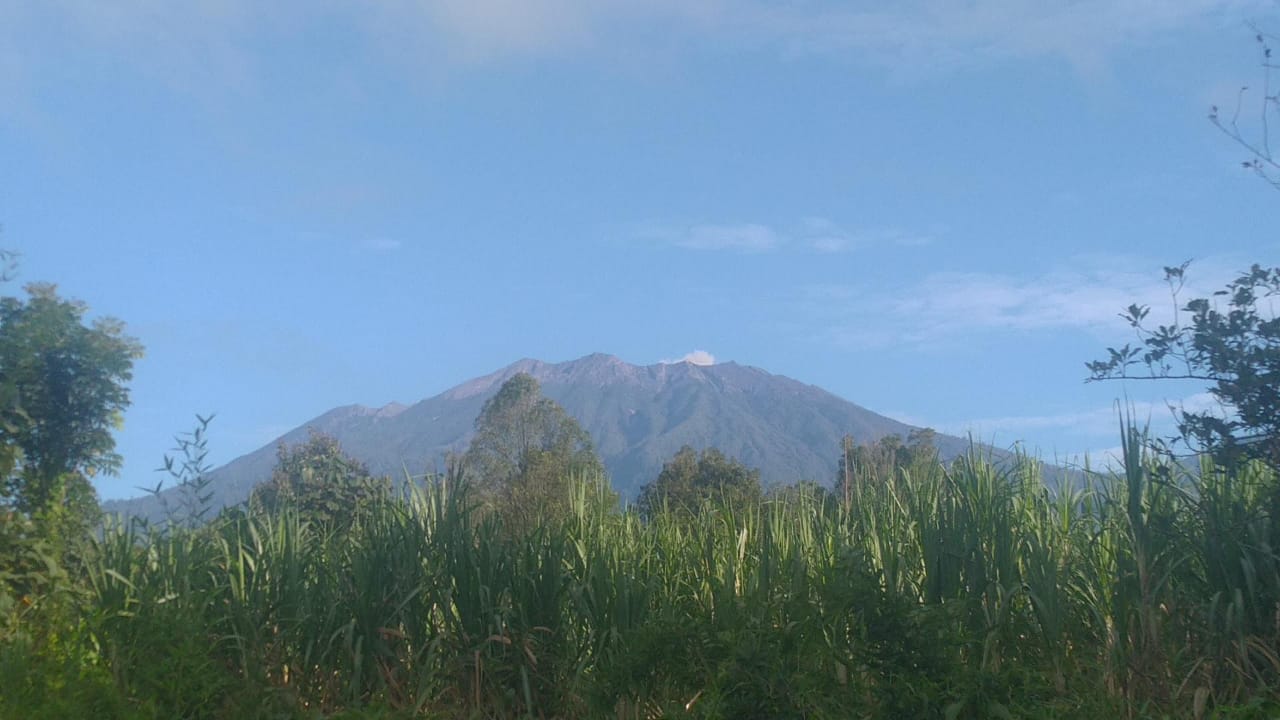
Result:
[
  {"x": 911, "y": 34},
  {"x": 1086, "y": 432},
  {"x": 824, "y": 236},
  {"x": 1076, "y": 434},
  {"x": 216, "y": 45},
  {"x": 923, "y": 33},
  {"x": 489, "y": 30},
  {"x": 194, "y": 48},
  {"x": 811, "y": 234},
  {"x": 380, "y": 244},
  {"x": 829, "y": 244},
  {"x": 697, "y": 357},
  {"x": 1087, "y": 296},
  {"x": 483, "y": 28},
  {"x": 747, "y": 237},
  {"x": 1093, "y": 422}
]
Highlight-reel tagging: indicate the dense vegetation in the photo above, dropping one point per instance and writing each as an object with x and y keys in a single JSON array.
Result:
[
  {"x": 513, "y": 585},
  {"x": 1231, "y": 341},
  {"x": 949, "y": 592}
]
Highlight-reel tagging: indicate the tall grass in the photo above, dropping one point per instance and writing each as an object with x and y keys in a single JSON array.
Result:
[{"x": 965, "y": 590}]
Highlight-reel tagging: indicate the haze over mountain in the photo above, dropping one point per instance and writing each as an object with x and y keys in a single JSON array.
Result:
[{"x": 638, "y": 417}]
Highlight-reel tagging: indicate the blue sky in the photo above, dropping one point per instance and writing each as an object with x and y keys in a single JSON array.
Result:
[{"x": 934, "y": 209}]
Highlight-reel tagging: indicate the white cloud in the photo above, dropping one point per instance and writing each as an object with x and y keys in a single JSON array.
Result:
[
  {"x": 743, "y": 237},
  {"x": 1100, "y": 459},
  {"x": 1097, "y": 422},
  {"x": 1091, "y": 424},
  {"x": 815, "y": 234},
  {"x": 746, "y": 238},
  {"x": 829, "y": 244},
  {"x": 204, "y": 46},
  {"x": 1089, "y": 295},
  {"x": 381, "y": 244},
  {"x": 907, "y": 239},
  {"x": 482, "y": 27},
  {"x": 195, "y": 48},
  {"x": 930, "y": 31},
  {"x": 480, "y": 30},
  {"x": 953, "y": 300},
  {"x": 825, "y": 236},
  {"x": 697, "y": 357},
  {"x": 1086, "y": 432},
  {"x": 911, "y": 34}
]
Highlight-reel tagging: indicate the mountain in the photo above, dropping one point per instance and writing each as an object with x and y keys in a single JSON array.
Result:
[{"x": 638, "y": 416}]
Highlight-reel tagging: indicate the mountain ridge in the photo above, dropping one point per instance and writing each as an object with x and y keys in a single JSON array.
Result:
[{"x": 638, "y": 417}]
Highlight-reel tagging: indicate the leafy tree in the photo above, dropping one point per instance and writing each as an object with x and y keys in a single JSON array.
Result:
[
  {"x": 320, "y": 480},
  {"x": 920, "y": 444},
  {"x": 1236, "y": 348},
  {"x": 11, "y": 418},
  {"x": 64, "y": 387},
  {"x": 525, "y": 452},
  {"x": 517, "y": 421},
  {"x": 864, "y": 463},
  {"x": 10, "y": 410},
  {"x": 689, "y": 479}
]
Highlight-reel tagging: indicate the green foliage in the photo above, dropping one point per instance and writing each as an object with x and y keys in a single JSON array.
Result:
[
  {"x": 1236, "y": 348},
  {"x": 324, "y": 484},
  {"x": 55, "y": 682},
  {"x": 960, "y": 591},
  {"x": 32, "y": 575},
  {"x": 62, "y": 391},
  {"x": 525, "y": 450},
  {"x": 189, "y": 470},
  {"x": 691, "y": 479},
  {"x": 860, "y": 463},
  {"x": 47, "y": 666}
]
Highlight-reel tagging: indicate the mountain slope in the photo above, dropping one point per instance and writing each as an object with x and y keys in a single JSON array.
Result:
[{"x": 638, "y": 416}]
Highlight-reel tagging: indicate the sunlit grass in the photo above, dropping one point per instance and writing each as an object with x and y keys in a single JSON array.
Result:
[{"x": 970, "y": 590}]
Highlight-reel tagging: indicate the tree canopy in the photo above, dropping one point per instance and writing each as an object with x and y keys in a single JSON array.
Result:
[
  {"x": 1230, "y": 340},
  {"x": 860, "y": 464},
  {"x": 690, "y": 479},
  {"x": 525, "y": 451},
  {"x": 320, "y": 480},
  {"x": 63, "y": 390}
]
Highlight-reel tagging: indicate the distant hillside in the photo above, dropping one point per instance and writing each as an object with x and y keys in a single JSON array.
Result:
[{"x": 638, "y": 416}]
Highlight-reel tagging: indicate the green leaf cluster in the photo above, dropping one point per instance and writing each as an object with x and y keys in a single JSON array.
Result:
[
  {"x": 1230, "y": 340},
  {"x": 690, "y": 480},
  {"x": 63, "y": 390},
  {"x": 525, "y": 450},
  {"x": 322, "y": 482}
]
